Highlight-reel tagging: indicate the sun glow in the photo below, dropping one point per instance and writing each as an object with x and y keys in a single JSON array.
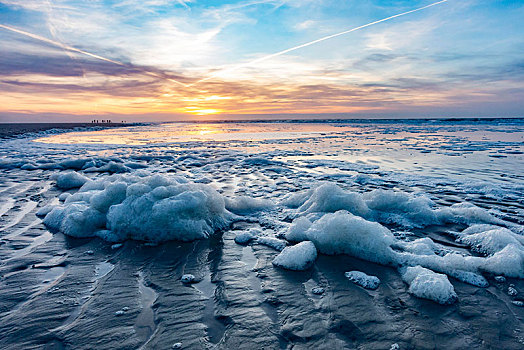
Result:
[{"x": 202, "y": 111}]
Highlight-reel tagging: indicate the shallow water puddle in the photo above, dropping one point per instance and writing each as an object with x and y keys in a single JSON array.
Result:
[
  {"x": 251, "y": 261},
  {"x": 215, "y": 328},
  {"x": 53, "y": 274},
  {"x": 249, "y": 258},
  {"x": 145, "y": 325},
  {"x": 102, "y": 269},
  {"x": 205, "y": 286},
  {"x": 309, "y": 285}
]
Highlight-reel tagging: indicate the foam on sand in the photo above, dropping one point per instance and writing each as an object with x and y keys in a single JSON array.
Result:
[
  {"x": 297, "y": 231},
  {"x": 247, "y": 205},
  {"x": 149, "y": 208},
  {"x": 272, "y": 242},
  {"x": 508, "y": 262},
  {"x": 490, "y": 240},
  {"x": 426, "y": 284},
  {"x": 247, "y": 236},
  {"x": 298, "y": 257},
  {"x": 388, "y": 207},
  {"x": 328, "y": 198},
  {"x": 363, "y": 280},
  {"x": 344, "y": 233},
  {"x": 69, "y": 180}
]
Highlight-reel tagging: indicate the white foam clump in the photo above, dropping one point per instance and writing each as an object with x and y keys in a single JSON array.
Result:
[
  {"x": 400, "y": 208},
  {"x": 64, "y": 196},
  {"x": 148, "y": 208},
  {"x": 363, "y": 280},
  {"x": 508, "y": 262},
  {"x": 110, "y": 167},
  {"x": 44, "y": 210},
  {"x": 426, "y": 284},
  {"x": 383, "y": 206},
  {"x": 489, "y": 239},
  {"x": 344, "y": 233},
  {"x": 188, "y": 278},
  {"x": 246, "y": 236},
  {"x": 272, "y": 242},
  {"x": 247, "y": 205},
  {"x": 68, "y": 180},
  {"x": 299, "y": 257},
  {"x": 328, "y": 198},
  {"x": 468, "y": 277},
  {"x": 420, "y": 246},
  {"x": 297, "y": 231}
]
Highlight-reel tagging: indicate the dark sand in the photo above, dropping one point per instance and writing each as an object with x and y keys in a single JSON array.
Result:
[
  {"x": 58, "y": 292},
  {"x": 8, "y": 130}
]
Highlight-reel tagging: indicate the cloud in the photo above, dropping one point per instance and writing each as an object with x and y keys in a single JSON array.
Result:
[{"x": 431, "y": 60}]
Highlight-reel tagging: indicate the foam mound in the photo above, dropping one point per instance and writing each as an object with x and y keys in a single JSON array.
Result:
[
  {"x": 363, "y": 280},
  {"x": 299, "y": 257},
  {"x": 297, "y": 231},
  {"x": 69, "y": 180},
  {"x": 93, "y": 164},
  {"x": 330, "y": 198},
  {"x": 508, "y": 262},
  {"x": 387, "y": 207},
  {"x": 272, "y": 242},
  {"x": 426, "y": 284},
  {"x": 147, "y": 208},
  {"x": 247, "y": 236},
  {"x": 490, "y": 240},
  {"x": 344, "y": 233},
  {"x": 247, "y": 205},
  {"x": 364, "y": 237}
]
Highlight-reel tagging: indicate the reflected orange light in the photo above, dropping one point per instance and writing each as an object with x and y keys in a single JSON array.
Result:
[{"x": 203, "y": 129}]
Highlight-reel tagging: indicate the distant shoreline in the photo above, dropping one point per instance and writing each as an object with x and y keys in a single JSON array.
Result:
[
  {"x": 325, "y": 119},
  {"x": 349, "y": 121},
  {"x": 11, "y": 130}
]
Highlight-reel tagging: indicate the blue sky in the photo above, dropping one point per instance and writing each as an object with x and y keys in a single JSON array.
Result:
[{"x": 457, "y": 58}]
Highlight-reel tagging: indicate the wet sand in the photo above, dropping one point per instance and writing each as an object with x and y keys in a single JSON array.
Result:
[
  {"x": 59, "y": 292},
  {"x": 8, "y": 130}
]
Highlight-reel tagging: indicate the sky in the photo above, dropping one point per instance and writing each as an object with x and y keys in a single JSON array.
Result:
[{"x": 152, "y": 60}]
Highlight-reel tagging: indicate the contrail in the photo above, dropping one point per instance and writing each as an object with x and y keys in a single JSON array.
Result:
[
  {"x": 74, "y": 49},
  {"x": 312, "y": 43}
]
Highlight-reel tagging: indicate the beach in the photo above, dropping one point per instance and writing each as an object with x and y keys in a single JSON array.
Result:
[
  {"x": 325, "y": 234},
  {"x": 8, "y": 130}
]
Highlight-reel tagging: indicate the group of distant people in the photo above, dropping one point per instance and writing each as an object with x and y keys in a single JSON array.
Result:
[{"x": 104, "y": 121}]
